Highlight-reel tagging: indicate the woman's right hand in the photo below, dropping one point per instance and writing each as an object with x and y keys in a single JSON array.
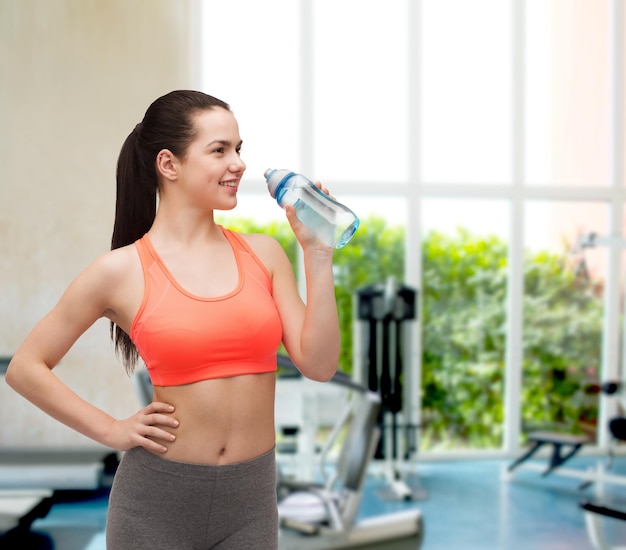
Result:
[{"x": 149, "y": 428}]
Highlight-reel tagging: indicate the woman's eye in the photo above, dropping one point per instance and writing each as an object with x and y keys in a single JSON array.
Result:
[{"x": 219, "y": 150}]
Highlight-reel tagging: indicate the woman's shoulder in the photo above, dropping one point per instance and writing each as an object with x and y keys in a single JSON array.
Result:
[
  {"x": 260, "y": 242},
  {"x": 105, "y": 283},
  {"x": 266, "y": 247},
  {"x": 114, "y": 265},
  {"x": 119, "y": 257},
  {"x": 115, "y": 280},
  {"x": 257, "y": 239}
]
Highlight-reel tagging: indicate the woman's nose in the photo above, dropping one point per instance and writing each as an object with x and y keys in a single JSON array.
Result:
[{"x": 238, "y": 165}]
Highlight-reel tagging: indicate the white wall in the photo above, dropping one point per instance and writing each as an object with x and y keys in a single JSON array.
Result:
[{"x": 75, "y": 77}]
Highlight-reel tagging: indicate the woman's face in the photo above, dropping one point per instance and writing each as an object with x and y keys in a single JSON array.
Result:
[{"x": 212, "y": 167}]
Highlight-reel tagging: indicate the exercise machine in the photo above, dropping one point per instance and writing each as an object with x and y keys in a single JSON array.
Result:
[
  {"x": 304, "y": 411},
  {"x": 323, "y": 516},
  {"x": 384, "y": 316},
  {"x": 594, "y": 515}
]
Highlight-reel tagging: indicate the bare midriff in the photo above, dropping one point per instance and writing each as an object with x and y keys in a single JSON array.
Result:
[{"x": 222, "y": 421}]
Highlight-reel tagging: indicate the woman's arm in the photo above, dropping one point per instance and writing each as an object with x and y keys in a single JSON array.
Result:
[
  {"x": 319, "y": 340},
  {"x": 30, "y": 372},
  {"x": 310, "y": 331}
]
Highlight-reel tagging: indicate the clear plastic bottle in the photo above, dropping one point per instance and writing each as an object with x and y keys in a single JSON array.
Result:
[{"x": 332, "y": 222}]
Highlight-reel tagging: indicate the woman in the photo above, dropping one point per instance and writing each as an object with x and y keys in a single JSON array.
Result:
[{"x": 206, "y": 309}]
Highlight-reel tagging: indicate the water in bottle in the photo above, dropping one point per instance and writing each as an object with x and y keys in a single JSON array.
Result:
[{"x": 332, "y": 222}]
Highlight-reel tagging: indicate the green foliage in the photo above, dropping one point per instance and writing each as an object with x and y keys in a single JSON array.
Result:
[
  {"x": 463, "y": 324},
  {"x": 463, "y": 329},
  {"x": 464, "y": 342},
  {"x": 374, "y": 253},
  {"x": 562, "y": 345}
]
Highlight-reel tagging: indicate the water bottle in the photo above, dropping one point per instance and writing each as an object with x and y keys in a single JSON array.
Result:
[{"x": 332, "y": 222}]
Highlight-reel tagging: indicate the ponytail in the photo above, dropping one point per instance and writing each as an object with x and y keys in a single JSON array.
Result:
[
  {"x": 137, "y": 184},
  {"x": 167, "y": 124},
  {"x": 135, "y": 209}
]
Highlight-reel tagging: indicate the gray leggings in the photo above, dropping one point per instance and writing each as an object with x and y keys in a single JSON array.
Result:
[{"x": 160, "y": 504}]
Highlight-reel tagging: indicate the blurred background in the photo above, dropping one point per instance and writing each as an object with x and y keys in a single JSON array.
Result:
[{"x": 478, "y": 142}]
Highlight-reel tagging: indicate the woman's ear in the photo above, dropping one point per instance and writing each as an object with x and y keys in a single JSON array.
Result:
[{"x": 167, "y": 164}]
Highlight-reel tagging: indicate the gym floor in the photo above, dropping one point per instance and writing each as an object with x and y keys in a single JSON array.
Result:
[{"x": 467, "y": 505}]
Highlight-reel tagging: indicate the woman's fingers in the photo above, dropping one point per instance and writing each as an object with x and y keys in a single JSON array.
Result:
[
  {"x": 155, "y": 420},
  {"x": 158, "y": 406},
  {"x": 323, "y": 189},
  {"x": 305, "y": 236},
  {"x": 151, "y": 445},
  {"x": 151, "y": 427}
]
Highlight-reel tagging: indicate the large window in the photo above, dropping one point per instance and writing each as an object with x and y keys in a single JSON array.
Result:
[
  {"x": 567, "y": 75},
  {"x": 465, "y": 251},
  {"x": 466, "y": 110},
  {"x": 478, "y": 141},
  {"x": 563, "y": 316}
]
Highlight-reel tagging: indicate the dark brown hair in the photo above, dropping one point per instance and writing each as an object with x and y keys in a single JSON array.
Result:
[{"x": 167, "y": 124}]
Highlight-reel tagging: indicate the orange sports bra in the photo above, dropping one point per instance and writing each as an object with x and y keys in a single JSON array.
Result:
[{"x": 184, "y": 338}]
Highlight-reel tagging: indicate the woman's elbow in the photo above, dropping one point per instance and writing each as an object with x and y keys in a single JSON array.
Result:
[
  {"x": 322, "y": 373},
  {"x": 11, "y": 377},
  {"x": 326, "y": 377},
  {"x": 16, "y": 376}
]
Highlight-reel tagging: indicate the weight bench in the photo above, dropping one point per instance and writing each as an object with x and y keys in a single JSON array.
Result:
[{"x": 558, "y": 441}]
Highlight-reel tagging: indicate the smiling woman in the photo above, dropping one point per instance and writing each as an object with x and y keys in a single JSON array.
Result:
[
  {"x": 212, "y": 158},
  {"x": 206, "y": 309}
]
